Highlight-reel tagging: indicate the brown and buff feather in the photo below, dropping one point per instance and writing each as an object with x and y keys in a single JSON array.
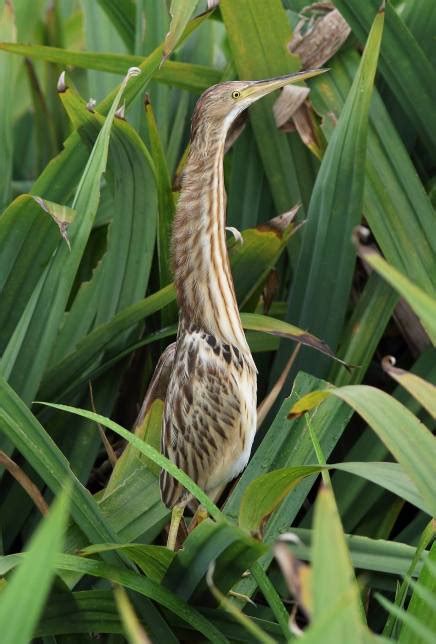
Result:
[{"x": 210, "y": 407}]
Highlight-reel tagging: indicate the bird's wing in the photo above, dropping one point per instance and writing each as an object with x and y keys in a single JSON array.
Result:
[
  {"x": 157, "y": 389},
  {"x": 202, "y": 417}
]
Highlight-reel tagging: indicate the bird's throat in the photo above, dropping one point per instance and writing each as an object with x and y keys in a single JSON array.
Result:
[{"x": 202, "y": 274}]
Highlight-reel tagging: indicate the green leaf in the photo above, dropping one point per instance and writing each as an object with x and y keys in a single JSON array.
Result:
[
  {"x": 265, "y": 493},
  {"x": 167, "y": 206},
  {"x": 143, "y": 586},
  {"x": 181, "y": 12},
  {"x": 252, "y": 260},
  {"x": 364, "y": 331},
  {"x": 133, "y": 630},
  {"x": 288, "y": 442},
  {"x": 184, "y": 75},
  {"x": 124, "y": 270},
  {"x": 407, "y": 81},
  {"x": 151, "y": 453},
  {"x": 332, "y": 573},
  {"x": 424, "y": 392},
  {"x": 22, "y": 601},
  {"x": 153, "y": 560},
  {"x": 400, "y": 596},
  {"x": 122, "y": 15},
  {"x": 101, "y": 34},
  {"x": 396, "y": 205},
  {"x": 257, "y": 322},
  {"x": 398, "y": 428},
  {"x": 420, "y": 607},
  {"x": 74, "y": 369},
  {"x": 8, "y": 75},
  {"x": 28, "y": 350},
  {"x": 94, "y": 611},
  {"x": 377, "y": 555},
  {"x": 231, "y": 549},
  {"x": 19, "y": 425},
  {"x": 421, "y": 302},
  {"x": 327, "y": 256},
  {"x": 264, "y": 58}
]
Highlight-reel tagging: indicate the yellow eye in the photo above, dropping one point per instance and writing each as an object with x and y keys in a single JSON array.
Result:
[{"x": 236, "y": 94}]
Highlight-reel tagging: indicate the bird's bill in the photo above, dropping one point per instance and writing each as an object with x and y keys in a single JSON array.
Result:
[{"x": 263, "y": 87}]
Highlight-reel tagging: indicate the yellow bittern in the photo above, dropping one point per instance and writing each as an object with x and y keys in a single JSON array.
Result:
[{"x": 209, "y": 418}]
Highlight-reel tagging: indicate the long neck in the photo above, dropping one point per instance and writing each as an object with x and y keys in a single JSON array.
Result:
[{"x": 203, "y": 279}]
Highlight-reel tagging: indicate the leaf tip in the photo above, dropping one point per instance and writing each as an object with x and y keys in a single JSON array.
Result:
[
  {"x": 62, "y": 85},
  {"x": 91, "y": 104},
  {"x": 121, "y": 112},
  {"x": 133, "y": 71}
]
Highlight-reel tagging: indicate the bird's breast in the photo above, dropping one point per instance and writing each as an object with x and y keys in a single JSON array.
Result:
[{"x": 210, "y": 409}]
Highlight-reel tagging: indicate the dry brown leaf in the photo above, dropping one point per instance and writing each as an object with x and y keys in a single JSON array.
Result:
[{"x": 316, "y": 41}]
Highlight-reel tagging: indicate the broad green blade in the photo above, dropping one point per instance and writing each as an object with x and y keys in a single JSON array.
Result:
[
  {"x": 101, "y": 35},
  {"x": 332, "y": 573},
  {"x": 22, "y": 601},
  {"x": 28, "y": 350},
  {"x": 377, "y": 555},
  {"x": 143, "y": 586},
  {"x": 189, "y": 76},
  {"x": 287, "y": 164},
  {"x": 422, "y": 303},
  {"x": 364, "y": 331},
  {"x": 75, "y": 367},
  {"x": 94, "y": 611},
  {"x": 181, "y": 12},
  {"x": 396, "y": 206},
  {"x": 424, "y": 392},
  {"x": 124, "y": 270},
  {"x": 19, "y": 425},
  {"x": 166, "y": 202},
  {"x": 265, "y": 494},
  {"x": 25, "y": 249},
  {"x": 258, "y": 322},
  {"x": 321, "y": 286},
  {"x": 8, "y": 76},
  {"x": 256, "y": 255},
  {"x": 122, "y": 15},
  {"x": 154, "y": 561},
  {"x": 420, "y": 607},
  {"x": 422, "y": 25},
  {"x": 230, "y": 548},
  {"x": 355, "y": 496},
  {"x": 397, "y": 427},
  {"x": 151, "y": 453},
  {"x": 288, "y": 442},
  {"x": 414, "y": 86}
]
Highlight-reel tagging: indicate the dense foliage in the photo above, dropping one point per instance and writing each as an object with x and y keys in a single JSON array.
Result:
[{"x": 328, "y": 534}]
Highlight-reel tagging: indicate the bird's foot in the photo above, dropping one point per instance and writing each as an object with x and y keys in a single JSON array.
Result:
[{"x": 199, "y": 516}]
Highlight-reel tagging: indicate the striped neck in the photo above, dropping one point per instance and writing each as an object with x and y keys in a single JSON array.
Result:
[{"x": 202, "y": 274}]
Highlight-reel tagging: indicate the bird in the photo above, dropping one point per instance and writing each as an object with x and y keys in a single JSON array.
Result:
[{"x": 209, "y": 417}]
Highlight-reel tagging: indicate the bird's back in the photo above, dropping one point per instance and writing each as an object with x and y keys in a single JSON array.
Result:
[{"x": 210, "y": 413}]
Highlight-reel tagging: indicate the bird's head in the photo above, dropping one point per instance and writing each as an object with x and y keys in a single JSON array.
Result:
[{"x": 219, "y": 105}]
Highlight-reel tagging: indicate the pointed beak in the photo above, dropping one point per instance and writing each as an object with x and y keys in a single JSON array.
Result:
[{"x": 263, "y": 87}]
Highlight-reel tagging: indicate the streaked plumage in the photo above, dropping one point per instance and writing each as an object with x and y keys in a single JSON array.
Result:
[{"x": 210, "y": 406}]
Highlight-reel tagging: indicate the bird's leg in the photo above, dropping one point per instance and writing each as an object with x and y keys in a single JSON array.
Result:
[{"x": 176, "y": 518}]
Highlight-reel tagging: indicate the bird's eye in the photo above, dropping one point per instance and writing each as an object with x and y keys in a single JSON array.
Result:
[{"x": 236, "y": 94}]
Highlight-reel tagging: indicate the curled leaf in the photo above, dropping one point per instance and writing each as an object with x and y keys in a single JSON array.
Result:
[{"x": 62, "y": 215}]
